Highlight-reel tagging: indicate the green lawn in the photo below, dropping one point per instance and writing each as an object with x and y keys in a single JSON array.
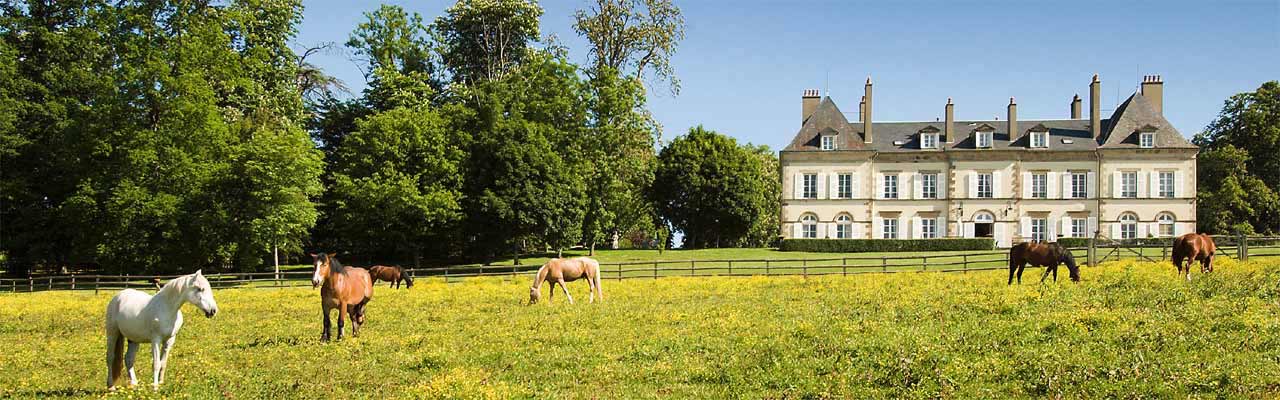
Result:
[{"x": 1128, "y": 330}]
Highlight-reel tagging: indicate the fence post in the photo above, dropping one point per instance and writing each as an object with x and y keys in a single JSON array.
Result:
[
  {"x": 730, "y": 267},
  {"x": 126, "y": 281},
  {"x": 1092, "y": 253},
  {"x": 73, "y": 282},
  {"x": 964, "y": 261},
  {"x": 96, "y": 279},
  {"x": 844, "y": 266},
  {"x": 1244, "y": 247},
  {"x": 50, "y": 283},
  {"x": 692, "y": 265},
  {"x": 766, "y": 267},
  {"x": 655, "y": 270},
  {"x": 884, "y": 264},
  {"x": 804, "y": 268},
  {"x": 925, "y": 267},
  {"x": 31, "y": 284}
]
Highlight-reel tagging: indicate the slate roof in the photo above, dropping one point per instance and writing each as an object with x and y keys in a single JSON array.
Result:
[{"x": 1133, "y": 115}]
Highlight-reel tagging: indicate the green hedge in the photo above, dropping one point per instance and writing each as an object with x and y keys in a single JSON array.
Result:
[
  {"x": 884, "y": 245},
  {"x": 1084, "y": 242}
]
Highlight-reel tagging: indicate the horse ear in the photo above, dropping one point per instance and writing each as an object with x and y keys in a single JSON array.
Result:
[
  {"x": 332, "y": 255},
  {"x": 198, "y": 273}
]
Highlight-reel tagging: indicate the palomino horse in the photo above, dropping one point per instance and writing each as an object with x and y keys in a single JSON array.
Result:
[
  {"x": 1046, "y": 255},
  {"x": 393, "y": 274},
  {"x": 137, "y": 317},
  {"x": 347, "y": 289},
  {"x": 561, "y": 270},
  {"x": 1193, "y": 247}
]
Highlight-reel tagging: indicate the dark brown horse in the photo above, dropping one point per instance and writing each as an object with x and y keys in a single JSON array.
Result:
[
  {"x": 347, "y": 289},
  {"x": 1193, "y": 247},
  {"x": 390, "y": 273},
  {"x": 1047, "y": 255}
]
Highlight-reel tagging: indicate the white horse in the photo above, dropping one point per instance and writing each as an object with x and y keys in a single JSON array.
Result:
[{"x": 142, "y": 318}]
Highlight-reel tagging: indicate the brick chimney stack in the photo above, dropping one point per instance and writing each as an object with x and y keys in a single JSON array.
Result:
[
  {"x": 1095, "y": 108},
  {"x": 808, "y": 103},
  {"x": 1153, "y": 91},
  {"x": 948, "y": 128},
  {"x": 1075, "y": 107},
  {"x": 1013, "y": 120},
  {"x": 866, "y": 118},
  {"x": 862, "y": 108}
]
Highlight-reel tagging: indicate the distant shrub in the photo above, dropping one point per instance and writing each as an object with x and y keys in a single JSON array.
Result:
[{"x": 885, "y": 245}]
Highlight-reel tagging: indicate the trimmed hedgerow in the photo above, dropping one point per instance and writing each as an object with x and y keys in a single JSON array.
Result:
[{"x": 885, "y": 245}]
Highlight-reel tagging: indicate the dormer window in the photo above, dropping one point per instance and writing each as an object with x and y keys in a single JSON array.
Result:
[
  {"x": 828, "y": 142},
  {"x": 1147, "y": 140},
  {"x": 1040, "y": 139},
  {"x": 982, "y": 139},
  {"x": 928, "y": 140}
]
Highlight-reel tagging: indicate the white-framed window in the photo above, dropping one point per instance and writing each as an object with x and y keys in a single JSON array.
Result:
[
  {"x": 982, "y": 139},
  {"x": 1129, "y": 184},
  {"x": 1165, "y": 222},
  {"x": 1079, "y": 227},
  {"x": 810, "y": 186},
  {"x": 844, "y": 227},
  {"x": 986, "y": 182},
  {"x": 929, "y": 185},
  {"x": 809, "y": 226},
  {"x": 1040, "y": 139},
  {"x": 1040, "y": 229},
  {"x": 1147, "y": 140},
  {"x": 844, "y": 186},
  {"x": 891, "y": 186},
  {"x": 1039, "y": 185},
  {"x": 928, "y": 140},
  {"x": 890, "y": 228},
  {"x": 1166, "y": 184},
  {"x": 929, "y": 228},
  {"x": 984, "y": 218},
  {"x": 828, "y": 142},
  {"x": 1079, "y": 185},
  {"x": 1128, "y": 226}
]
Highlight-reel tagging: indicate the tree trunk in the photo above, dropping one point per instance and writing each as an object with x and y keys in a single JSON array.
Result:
[
  {"x": 417, "y": 257},
  {"x": 275, "y": 255},
  {"x": 592, "y": 252}
]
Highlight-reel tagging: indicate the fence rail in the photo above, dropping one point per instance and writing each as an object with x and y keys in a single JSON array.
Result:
[{"x": 1235, "y": 247}]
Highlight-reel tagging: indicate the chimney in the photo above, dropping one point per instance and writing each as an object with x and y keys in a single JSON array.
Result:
[
  {"x": 862, "y": 107},
  {"x": 948, "y": 127},
  {"x": 866, "y": 118},
  {"x": 1075, "y": 107},
  {"x": 808, "y": 103},
  {"x": 1013, "y": 120},
  {"x": 1153, "y": 91},
  {"x": 1095, "y": 97}
]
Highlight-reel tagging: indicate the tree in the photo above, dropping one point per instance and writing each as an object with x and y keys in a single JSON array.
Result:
[
  {"x": 400, "y": 61},
  {"x": 620, "y": 154},
  {"x": 482, "y": 40},
  {"x": 764, "y": 233},
  {"x": 624, "y": 37},
  {"x": 1237, "y": 180},
  {"x": 711, "y": 189}
]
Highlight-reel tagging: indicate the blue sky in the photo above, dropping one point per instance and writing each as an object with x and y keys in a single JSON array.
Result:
[{"x": 744, "y": 64}]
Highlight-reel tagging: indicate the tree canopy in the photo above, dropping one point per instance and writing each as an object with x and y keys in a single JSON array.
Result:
[{"x": 1239, "y": 165}]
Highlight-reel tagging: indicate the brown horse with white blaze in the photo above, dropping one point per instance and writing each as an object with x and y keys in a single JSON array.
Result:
[
  {"x": 390, "y": 273},
  {"x": 347, "y": 289},
  {"x": 1047, "y": 255},
  {"x": 1193, "y": 247},
  {"x": 561, "y": 270}
]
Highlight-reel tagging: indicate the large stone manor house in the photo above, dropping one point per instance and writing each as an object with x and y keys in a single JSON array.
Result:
[{"x": 1131, "y": 175}]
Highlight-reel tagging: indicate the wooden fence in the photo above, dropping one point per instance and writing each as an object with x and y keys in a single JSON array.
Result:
[{"x": 1236, "y": 247}]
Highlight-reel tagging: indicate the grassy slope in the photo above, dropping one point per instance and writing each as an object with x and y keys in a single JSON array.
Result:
[{"x": 1130, "y": 328}]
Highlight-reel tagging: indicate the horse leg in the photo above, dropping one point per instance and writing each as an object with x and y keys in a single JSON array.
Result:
[
  {"x": 324, "y": 337},
  {"x": 164, "y": 357},
  {"x": 128, "y": 361},
  {"x": 599, "y": 291},
  {"x": 342, "y": 316},
  {"x": 591, "y": 290},
  {"x": 551, "y": 291},
  {"x": 1012, "y": 267},
  {"x": 156, "y": 346},
  {"x": 115, "y": 362},
  {"x": 565, "y": 288},
  {"x": 1021, "y": 266}
]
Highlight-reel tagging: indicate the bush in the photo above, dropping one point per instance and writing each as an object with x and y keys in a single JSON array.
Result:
[
  {"x": 1084, "y": 242},
  {"x": 885, "y": 245}
]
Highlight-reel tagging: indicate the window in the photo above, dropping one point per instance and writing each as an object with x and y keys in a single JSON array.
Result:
[
  {"x": 844, "y": 227},
  {"x": 890, "y": 186},
  {"x": 929, "y": 185},
  {"x": 928, "y": 140},
  {"x": 1080, "y": 227},
  {"x": 1039, "y": 229},
  {"x": 982, "y": 139},
  {"x": 828, "y": 142},
  {"x": 1165, "y": 221},
  {"x": 1040, "y": 139},
  {"x": 929, "y": 228},
  {"x": 1079, "y": 190},
  {"x": 1147, "y": 140},
  {"x": 1040, "y": 185},
  {"x": 845, "y": 186},
  {"x": 1166, "y": 184},
  {"x": 985, "y": 182},
  {"x": 1128, "y": 226},
  {"x": 810, "y": 186},
  {"x": 890, "y": 228},
  {"x": 1129, "y": 184},
  {"x": 809, "y": 227}
]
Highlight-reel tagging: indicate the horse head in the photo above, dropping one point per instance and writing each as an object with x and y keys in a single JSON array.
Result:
[
  {"x": 534, "y": 295},
  {"x": 323, "y": 262},
  {"x": 197, "y": 291},
  {"x": 1066, "y": 258}
]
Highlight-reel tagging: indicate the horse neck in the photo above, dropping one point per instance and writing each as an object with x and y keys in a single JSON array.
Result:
[
  {"x": 171, "y": 293},
  {"x": 541, "y": 276}
]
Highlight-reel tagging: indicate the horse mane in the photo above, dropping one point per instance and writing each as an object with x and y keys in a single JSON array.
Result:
[{"x": 334, "y": 265}]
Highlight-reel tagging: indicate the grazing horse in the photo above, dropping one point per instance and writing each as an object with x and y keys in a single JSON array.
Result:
[
  {"x": 393, "y": 274},
  {"x": 561, "y": 270},
  {"x": 347, "y": 289},
  {"x": 1193, "y": 247},
  {"x": 1046, "y": 255},
  {"x": 136, "y": 317}
]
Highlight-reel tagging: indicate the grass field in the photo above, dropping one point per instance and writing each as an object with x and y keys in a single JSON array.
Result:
[{"x": 1129, "y": 330}]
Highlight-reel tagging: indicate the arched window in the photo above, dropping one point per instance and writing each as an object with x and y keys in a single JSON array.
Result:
[
  {"x": 809, "y": 226},
  {"x": 1166, "y": 221},
  {"x": 844, "y": 227},
  {"x": 984, "y": 218},
  {"x": 1128, "y": 226}
]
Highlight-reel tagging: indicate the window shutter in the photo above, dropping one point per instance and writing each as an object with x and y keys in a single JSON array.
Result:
[
  {"x": 877, "y": 227},
  {"x": 1050, "y": 179},
  {"x": 795, "y": 230},
  {"x": 1026, "y": 229},
  {"x": 1115, "y": 230},
  {"x": 942, "y": 227},
  {"x": 830, "y": 229},
  {"x": 1177, "y": 184},
  {"x": 941, "y": 183},
  {"x": 879, "y": 186},
  {"x": 1051, "y": 231},
  {"x": 1092, "y": 226},
  {"x": 855, "y": 230},
  {"x": 1066, "y": 185},
  {"x": 1142, "y": 229},
  {"x": 916, "y": 231},
  {"x": 1115, "y": 185},
  {"x": 1155, "y": 185},
  {"x": 821, "y": 188},
  {"x": 904, "y": 190},
  {"x": 902, "y": 228},
  {"x": 853, "y": 186},
  {"x": 1026, "y": 185},
  {"x": 1065, "y": 229},
  {"x": 917, "y": 182},
  {"x": 973, "y": 184},
  {"x": 968, "y": 229},
  {"x": 1089, "y": 184},
  {"x": 1178, "y": 230},
  {"x": 799, "y": 183},
  {"x": 833, "y": 186},
  {"x": 995, "y": 185},
  {"x": 997, "y": 233}
]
